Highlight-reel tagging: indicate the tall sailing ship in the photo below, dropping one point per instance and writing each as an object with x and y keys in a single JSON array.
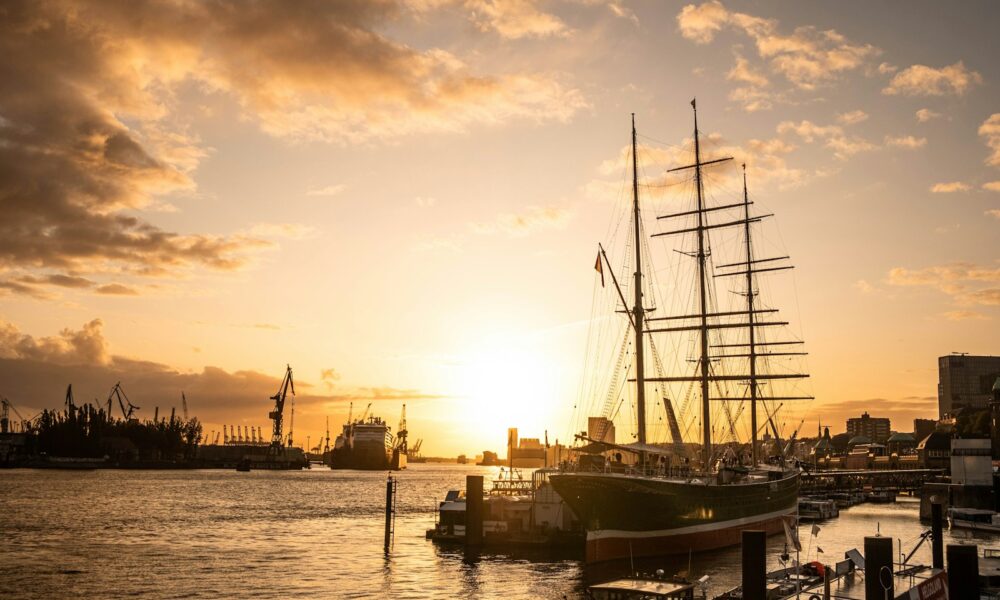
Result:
[{"x": 671, "y": 501}]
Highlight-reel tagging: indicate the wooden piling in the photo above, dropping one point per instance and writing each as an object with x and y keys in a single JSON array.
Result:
[
  {"x": 473, "y": 510},
  {"x": 754, "y": 582},
  {"x": 390, "y": 492},
  {"x": 937, "y": 542},
  {"x": 879, "y": 583},
  {"x": 963, "y": 571}
]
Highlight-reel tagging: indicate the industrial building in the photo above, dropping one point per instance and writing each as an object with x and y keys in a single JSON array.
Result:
[{"x": 965, "y": 381}]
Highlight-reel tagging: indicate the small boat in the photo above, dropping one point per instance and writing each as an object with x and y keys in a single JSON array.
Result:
[
  {"x": 817, "y": 510},
  {"x": 515, "y": 511},
  {"x": 641, "y": 587},
  {"x": 243, "y": 466},
  {"x": 975, "y": 519}
]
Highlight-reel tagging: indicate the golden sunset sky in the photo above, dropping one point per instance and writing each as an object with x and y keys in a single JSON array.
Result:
[{"x": 403, "y": 200}]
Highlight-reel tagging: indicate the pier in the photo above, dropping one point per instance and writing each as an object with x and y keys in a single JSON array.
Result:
[{"x": 902, "y": 481}]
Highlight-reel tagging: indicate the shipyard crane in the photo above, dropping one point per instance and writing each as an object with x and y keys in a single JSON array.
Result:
[
  {"x": 364, "y": 415},
  {"x": 279, "y": 406},
  {"x": 401, "y": 432},
  {"x": 291, "y": 423},
  {"x": 70, "y": 406},
  {"x": 119, "y": 393},
  {"x": 5, "y": 416},
  {"x": 326, "y": 448},
  {"x": 184, "y": 406}
]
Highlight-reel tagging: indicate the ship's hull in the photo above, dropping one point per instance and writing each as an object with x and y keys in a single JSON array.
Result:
[
  {"x": 367, "y": 457},
  {"x": 628, "y": 516}
]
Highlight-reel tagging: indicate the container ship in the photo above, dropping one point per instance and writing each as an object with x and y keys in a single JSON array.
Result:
[
  {"x": 683, "y": 497},
  {"x": 367, "y": 443}
]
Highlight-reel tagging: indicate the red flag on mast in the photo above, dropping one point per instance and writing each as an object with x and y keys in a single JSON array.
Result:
[{"x": 599, "y": 267}]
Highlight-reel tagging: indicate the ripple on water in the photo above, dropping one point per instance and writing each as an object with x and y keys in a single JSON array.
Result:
[{"x": 317, "y": 533}]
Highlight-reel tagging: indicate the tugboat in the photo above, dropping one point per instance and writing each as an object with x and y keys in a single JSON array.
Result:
[
  {"x": 367, "y": 443},
  {"x": 655, "y": 507}
]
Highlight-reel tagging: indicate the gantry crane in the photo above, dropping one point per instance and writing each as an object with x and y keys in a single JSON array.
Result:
[{"x": 279, "y": 406}]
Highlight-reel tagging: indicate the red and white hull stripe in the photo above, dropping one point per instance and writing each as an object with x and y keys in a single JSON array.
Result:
[{"x": 609, "y": 544}]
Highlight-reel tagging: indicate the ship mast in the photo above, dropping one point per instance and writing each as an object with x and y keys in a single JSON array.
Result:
[
  {"x": 703, "y": 363},
  {"x": 638, "y": 311},
  {"x": 703, "y": 321},
  {"x": 750, "y": 321}
]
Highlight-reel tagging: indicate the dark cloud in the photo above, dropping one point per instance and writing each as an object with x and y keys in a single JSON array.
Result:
[
  {"x": 35, "y": 372},
  {"x": 88, "y": 114}
]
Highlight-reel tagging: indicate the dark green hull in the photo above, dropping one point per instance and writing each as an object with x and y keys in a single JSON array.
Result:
[{"x": 649, "y": 516}]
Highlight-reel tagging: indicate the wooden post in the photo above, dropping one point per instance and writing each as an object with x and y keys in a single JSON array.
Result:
[
  {"x": 879, "y": 583},
  {"x": 473, "y": 510},
  {"x": 826, "y": 582},
  {"x": 754, "y": 571},
  {"x": 963, "y": 571},
  {"x": 937, "y": 543},
  {"x": 390, "y": 491}
]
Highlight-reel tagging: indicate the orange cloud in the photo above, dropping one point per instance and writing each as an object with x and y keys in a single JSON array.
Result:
[{"x": 921, "y": 80}]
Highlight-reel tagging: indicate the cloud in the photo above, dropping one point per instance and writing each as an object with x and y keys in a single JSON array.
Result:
[
  {"x": 993, "y": 212},
  {"x": 966, "y": 283},
  {"x": 950, "y": 187},
  {"x": 532, "y": 219},
  {"x": 852, "y": 117},
  {"x": 328, "y": 377},
  {"x": 842, "y": 145},
  {"x": 990, "y": 130},
  {"x": 330, "y": 190},
  {"x": 116, "y": 289},
  {"x": 926, "y": 114},
  {"x": 37, "y": 370},
  {"x": 964, "y": 315},
  {"x": 514, "y": 19},
  {"x": 743, "y": 72},
  {"x": 992, "y": 186},
  {"x": 93, "y": 127},
  {"x": 766, "y": 163},
  {"x": 807, "y": 57},
  {"x": 905, "y": 141},
  {"x": 85, "y": 346},
  {"x": 863, "y": 286},
  {"x": 921, "y": 80},
  {"x": 809, "y": 131}
]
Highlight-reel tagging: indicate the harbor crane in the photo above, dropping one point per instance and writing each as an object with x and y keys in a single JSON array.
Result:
[
  {"x": 70, "y": 406},
  {"x": 279, "y": 406},
  {"x": 326, "y": 447},
  {"x": 119, "y": 393},
  {"x": 184, "y": 406},
  {"x": 401, "y": 432}
]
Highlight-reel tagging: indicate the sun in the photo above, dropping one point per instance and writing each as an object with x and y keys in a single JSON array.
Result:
[{"x": 508, "y": 383}]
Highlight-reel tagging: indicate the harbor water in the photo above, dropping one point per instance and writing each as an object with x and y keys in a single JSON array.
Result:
[{"x": 316, "y": 534}]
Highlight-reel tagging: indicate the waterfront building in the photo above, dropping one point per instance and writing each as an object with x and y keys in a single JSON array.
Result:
[
  {"x": 935, "y": 450},
  {"x": 971, "y": 462},
  {"x": 824, "y": 447},
  {"x": 965, "y": 381},
  {"x": 875, "y": 428},
  {"x": 901, "y": 443}
]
